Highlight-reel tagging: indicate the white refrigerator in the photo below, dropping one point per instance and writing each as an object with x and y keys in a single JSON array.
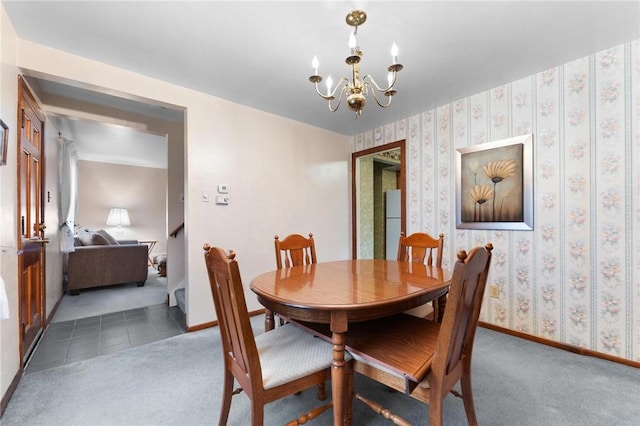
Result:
[{"x": 392, "y": 223}]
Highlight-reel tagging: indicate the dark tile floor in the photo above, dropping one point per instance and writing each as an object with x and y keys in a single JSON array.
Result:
[{"x": 81, "y": 339}]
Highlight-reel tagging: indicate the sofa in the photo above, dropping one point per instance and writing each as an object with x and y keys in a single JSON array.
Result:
[{"x": 100, "y": 260}]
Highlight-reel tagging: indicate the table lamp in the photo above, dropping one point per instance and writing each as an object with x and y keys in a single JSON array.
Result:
[{"x": 118, "y": 217}]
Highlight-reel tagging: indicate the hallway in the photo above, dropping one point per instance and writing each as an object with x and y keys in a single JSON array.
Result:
[
  {"x": 106, "y": 320},
  {"x": 76, "y": 340}
]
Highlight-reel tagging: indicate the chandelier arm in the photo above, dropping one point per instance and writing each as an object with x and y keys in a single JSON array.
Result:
[
  {"x": 375, "y": 85},
  {"x": 375, "y": 96},
  {"x": 325, "y": 97},
  {"x": 393, "y": 81},
  {"x": 342, "y": 92},
  {"x": 331, "y": 95}
]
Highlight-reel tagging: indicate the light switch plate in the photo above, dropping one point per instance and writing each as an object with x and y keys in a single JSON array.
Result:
[
  {"x": 222, "y": 199},
  {"x": 223, "y": 188}
]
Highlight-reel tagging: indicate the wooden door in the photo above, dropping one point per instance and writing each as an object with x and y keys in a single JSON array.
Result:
[{"x": 31, "y": 258}]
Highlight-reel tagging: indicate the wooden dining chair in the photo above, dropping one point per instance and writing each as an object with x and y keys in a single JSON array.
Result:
[
  {"x": 269, "y": 366},
  {"x": 421, "y": 247},
  {"x": 422, "y": 358},
  {"x": 295, "y": 249}
]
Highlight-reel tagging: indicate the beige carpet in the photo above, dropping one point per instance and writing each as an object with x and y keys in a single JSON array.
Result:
[
  {"x": 178, "y": 381},
  {"x": 115, "y": 298}
]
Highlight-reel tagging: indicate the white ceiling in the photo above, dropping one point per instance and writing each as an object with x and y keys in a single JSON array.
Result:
[
  {"x": 259, "y": 53},
  {"x": 119, "y": 144},
  {"x": 105, "y": 138}
]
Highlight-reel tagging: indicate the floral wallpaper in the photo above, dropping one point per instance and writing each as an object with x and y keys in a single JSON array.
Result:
[{"x": 576, "y": 277}]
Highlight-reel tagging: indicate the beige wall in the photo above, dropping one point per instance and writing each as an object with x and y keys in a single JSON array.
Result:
[
  {"x": 141, "y": 190},
  {"x": 9, "y": 354},
  {"x": 575, "y": 277},
  {"x": 222, "y": 148},
  {"x": 54, "y": 266}
]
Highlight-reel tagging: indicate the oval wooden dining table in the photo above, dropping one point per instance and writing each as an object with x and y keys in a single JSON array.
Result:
[{"x": 340, "y": 292}]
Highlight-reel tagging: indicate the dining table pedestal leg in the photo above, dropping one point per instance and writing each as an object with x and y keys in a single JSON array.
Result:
[
  {"x": 269, "y": 323},
  {"x": 441, "y": 305},
  {"x": 339, "y": 369}
]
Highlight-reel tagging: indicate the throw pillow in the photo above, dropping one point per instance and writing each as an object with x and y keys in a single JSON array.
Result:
[
  {"x": 99, "y": 240},
  {"x": 82, "y": 235},
  {"x": 85, "y": 236},
  {"x": 92, "y": 239},
  {"x": 112, "y": 241}
]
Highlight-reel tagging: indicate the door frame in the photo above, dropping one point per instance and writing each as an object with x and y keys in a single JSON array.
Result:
[{"x": 355, "y": 185}]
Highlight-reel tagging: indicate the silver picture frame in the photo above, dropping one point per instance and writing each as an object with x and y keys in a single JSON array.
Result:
[{"x": 494, "y": 185}]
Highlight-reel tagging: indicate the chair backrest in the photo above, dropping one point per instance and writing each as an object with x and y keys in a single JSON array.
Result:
[
  {"x": 418, "y": 246},
  {"x": 296, "y": 250},
  {"x": 238, "y": 342},
  {"x": 457, "y": 332}
]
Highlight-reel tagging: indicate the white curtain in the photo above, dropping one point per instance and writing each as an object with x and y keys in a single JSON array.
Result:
[{"x": 68, "y": 174}]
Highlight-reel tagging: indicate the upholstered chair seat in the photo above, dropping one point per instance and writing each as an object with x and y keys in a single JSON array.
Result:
[{"x": 304, "y": 354}]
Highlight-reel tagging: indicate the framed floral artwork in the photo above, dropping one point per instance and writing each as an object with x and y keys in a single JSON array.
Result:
[
  {"x": 494, "y": 185},
  {"x": 4, "y": 142}
]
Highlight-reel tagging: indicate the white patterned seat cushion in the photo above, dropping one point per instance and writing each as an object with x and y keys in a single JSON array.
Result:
[{"x": 287, "y": 353}]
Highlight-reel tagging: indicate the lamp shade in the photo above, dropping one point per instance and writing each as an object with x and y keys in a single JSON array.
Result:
[{"x": 118, "y": 217}]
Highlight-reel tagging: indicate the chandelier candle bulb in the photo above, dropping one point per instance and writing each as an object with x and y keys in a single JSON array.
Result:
[
  {"x": 329, "y": 83},
  {"x": 352, "y": 43},
  {"x": 314, "y": 64},
  {"x": 394, "y": 52}
]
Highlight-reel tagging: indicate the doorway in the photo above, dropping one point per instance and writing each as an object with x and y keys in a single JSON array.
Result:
[
  {"x": 83, "y": 113},
  {"x": 373, "y": 172}
]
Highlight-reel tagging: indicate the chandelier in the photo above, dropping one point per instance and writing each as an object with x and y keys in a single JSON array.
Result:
[{"x": 357, "y": 89}]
